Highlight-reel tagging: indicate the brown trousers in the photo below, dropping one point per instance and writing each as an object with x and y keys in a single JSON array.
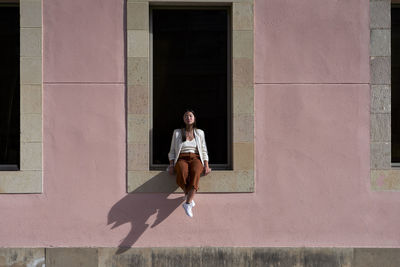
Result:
[{"x": 188, "y": 169}]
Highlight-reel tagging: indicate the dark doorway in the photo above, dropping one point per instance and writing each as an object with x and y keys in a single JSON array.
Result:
[
  {"x": 191, "y": 68},
  {"x": 9, "y": 87}
]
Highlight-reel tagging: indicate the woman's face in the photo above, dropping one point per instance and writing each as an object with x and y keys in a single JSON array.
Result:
[{"x": 188, "y": 118}]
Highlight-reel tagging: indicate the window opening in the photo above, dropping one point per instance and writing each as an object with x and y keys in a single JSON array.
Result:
[
  {"x": 191, "y": 68},
  {"x": 9, "y": 86}
]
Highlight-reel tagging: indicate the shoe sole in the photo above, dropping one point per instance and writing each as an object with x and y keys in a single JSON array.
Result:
[{"x": 183, "y": 205}]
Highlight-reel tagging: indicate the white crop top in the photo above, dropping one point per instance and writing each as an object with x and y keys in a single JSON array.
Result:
[{"x": 189, "y": 147}]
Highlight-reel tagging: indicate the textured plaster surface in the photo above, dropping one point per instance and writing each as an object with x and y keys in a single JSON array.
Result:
[
  {"x": 311, "y": 153},
  {"x": 312, "y": 41},
  {"x": 83, "y": 41}
]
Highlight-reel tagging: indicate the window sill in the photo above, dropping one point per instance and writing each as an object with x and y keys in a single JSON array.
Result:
[
  {"x": 19, "y": 182},
  {"x": 216, "y": 182}
]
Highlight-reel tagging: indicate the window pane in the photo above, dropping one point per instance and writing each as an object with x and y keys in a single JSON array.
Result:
[
  {"x": 190, "y": 69},
  {"x": 9, "y": 85}
]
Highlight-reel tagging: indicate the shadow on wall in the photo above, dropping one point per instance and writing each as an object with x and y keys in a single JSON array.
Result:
[{"x": 137, "y": 208}]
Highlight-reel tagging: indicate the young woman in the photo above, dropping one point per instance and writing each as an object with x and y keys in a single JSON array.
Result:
[{"x": 189, "y": 158}]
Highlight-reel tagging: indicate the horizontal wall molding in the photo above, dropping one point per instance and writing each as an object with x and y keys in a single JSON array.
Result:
[{"x": 200, "y": 256}]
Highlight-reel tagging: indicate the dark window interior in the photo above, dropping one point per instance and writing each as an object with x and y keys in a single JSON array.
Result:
[
  {"x": 190, "y": 69},
  {"x": 395, "y": 39},
  {"x": 9, "y": 87}
]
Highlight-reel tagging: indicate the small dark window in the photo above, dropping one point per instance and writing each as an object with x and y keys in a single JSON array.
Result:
[
  {"x": 9, "y": 87},
  {"x": 191, "y": 68}
]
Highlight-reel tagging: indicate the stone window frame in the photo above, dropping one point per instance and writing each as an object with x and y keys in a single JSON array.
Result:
[
  {"x": 384, "y": 176},
  {"x": 28, "y": 179},
  {"x": 139, "y": 177}
]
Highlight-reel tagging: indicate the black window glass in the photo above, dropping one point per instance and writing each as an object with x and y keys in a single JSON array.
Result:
[
  {"x": 9, "y": 86},
  {"x": 190, "y": 69},
  {"x": 395, "y": 39}
]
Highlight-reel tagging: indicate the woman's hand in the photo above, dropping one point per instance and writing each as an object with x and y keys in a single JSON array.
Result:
[
  {"x": 171, "y": 169},
  {"x": 207, "y": 170}
]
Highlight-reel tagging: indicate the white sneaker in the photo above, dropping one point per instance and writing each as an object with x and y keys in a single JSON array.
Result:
[
  {"x": 188, "y": 209},
  {"x": 193, "y": 204}
]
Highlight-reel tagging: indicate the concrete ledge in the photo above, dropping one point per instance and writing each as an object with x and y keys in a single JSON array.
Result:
[
  {"x": 201, "y": 256},
  {"x": 216, "y": 181}
]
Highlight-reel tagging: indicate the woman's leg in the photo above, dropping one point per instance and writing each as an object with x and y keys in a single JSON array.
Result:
[
  {"x": 182, "y": 173},
  {"x": 195, "y": 170}
]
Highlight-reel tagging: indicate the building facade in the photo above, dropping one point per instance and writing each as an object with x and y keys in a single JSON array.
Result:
[{"x": 308, "y": 128}]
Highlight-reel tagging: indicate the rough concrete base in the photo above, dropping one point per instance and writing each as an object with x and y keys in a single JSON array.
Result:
[{"x": 206, "y": 256}]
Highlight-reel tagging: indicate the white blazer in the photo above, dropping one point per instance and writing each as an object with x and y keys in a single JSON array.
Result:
[{"x": 176, "y": 145}]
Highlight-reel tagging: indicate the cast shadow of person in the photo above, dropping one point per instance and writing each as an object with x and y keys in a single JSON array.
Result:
[{"x": 138, "y": 207}]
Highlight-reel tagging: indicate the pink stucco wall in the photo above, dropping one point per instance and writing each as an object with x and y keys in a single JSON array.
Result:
[{"x": 311, "y": 134}]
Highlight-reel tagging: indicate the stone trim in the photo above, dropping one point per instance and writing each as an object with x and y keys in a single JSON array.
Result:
[
  {"x": 382, "y": 176},
  {"x": 200, "y": 256},
  {"x": 139, "y": 177},
  {"x": 29, "y": 178}
]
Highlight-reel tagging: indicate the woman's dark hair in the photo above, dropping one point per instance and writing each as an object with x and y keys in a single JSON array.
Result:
[{"x": 184, "y": 127}]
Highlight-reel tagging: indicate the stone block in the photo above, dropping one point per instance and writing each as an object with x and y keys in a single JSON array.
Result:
[
  {"x": 379, "y": 14},
  {"x": 380, "y": 155},
  {"x": 243, "y": 16},
  {"x": 242, "y": 44},
  {"x": 138, "y": 157},
  {"x": 171, "y": 257},
  {"x": 124, "y": 257},
  {"x": 31, "y": 13},
  {"x": 277, "y": 257},
  {"x": 243, "y": 156},
  {"x": 138, "y": 43},
  {"x": 31, "y": 127},
  {"x": 31, "y": 70},
  {"x": 380, "y": 127},
  {"x": 31, "y": 42},
  {"x": 380, "y": 42},
  {"x": 341, "y": 257},
  {"x": 21, "y": 182},
  {"x": 138, "y": 71},
  {"x": 138, "y": 129},
  {"x": 138, "y": 99},
  {"x": 31, "y": 156},
  {"x": 372, "y": 257},
  {"x": 67, "y": 257},
  {"x": 243, "y": 128},
  {"x": 380, "y": 99},
  {"x": 31, "y": 99},
  {"x": 226, "y": 256},
  {"x": 243, "y": 100},
  {"x": 242, "y": 72},
  {"x": 385, "y": 180},
  {"x": 31, "y": 257},
  {"x": 380, "y": 70},
  {"x": 137, "y": 16}
]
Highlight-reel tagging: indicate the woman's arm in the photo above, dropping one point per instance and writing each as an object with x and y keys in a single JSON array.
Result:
[
  {"x": 171, "y": 154},
  {"x": 204, "y": 148},
  {"x": 207, "y": 169},
  {"x": 171, "y": 167}
]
